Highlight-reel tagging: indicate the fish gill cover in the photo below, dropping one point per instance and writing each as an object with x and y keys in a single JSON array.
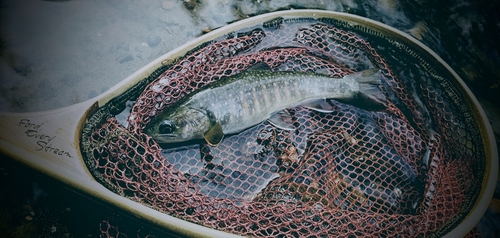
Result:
[{"x": 413, "y": 168}]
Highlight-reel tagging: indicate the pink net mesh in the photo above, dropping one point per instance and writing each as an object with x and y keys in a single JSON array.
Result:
[{"x": 411, "y": 169}]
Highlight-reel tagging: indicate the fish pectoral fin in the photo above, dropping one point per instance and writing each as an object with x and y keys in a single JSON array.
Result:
[
  {"x": 319, "y": 105},
  {"x": 282, "y": 120},
  {"x": 215, "y": 135}
]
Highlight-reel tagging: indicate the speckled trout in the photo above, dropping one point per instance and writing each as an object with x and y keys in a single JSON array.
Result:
[{"x": 244, "y": 100}]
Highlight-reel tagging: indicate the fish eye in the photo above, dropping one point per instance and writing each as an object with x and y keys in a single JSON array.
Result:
[{"x": 166, "y": 127}]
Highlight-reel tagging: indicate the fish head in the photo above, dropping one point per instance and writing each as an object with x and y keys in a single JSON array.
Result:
[{"x": 182, "y": 125}]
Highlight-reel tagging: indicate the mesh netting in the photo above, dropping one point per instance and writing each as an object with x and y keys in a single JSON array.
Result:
[{"x": 412, "y": 168}]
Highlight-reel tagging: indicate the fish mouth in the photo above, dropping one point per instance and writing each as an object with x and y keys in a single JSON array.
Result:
[{"x": 165, "y": 138}]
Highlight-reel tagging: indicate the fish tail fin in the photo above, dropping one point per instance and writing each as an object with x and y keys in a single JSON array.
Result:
[{"x": 369, "y": 81}]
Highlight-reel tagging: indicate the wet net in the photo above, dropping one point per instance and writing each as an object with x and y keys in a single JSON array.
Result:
[{"x": 413, "y": 168}]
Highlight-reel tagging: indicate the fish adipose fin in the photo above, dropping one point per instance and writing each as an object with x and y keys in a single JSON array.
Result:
[
  {"x": 282, "y": 120},
  {"x": 369, "y": 81},
  {"x": 215, "y": 135}
]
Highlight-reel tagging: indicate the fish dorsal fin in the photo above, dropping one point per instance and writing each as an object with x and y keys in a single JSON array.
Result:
[
  {"x": 319, "y": 105},
  {"x": 214, "y": 136},
  {"x": 259, "y": 66},
  {"x": 282, "y": 120}
]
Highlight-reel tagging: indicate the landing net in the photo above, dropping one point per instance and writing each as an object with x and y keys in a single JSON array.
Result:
[{"x": 413, "y": 168}]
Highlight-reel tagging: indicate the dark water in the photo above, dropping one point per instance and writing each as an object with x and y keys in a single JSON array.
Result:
[{"x": 463, "y": 33}]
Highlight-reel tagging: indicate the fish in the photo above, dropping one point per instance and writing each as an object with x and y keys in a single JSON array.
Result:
[{"x": 241, "y": 101}]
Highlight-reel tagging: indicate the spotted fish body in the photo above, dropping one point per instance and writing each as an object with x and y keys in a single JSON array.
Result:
[{"x": 236, "y": 103}]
